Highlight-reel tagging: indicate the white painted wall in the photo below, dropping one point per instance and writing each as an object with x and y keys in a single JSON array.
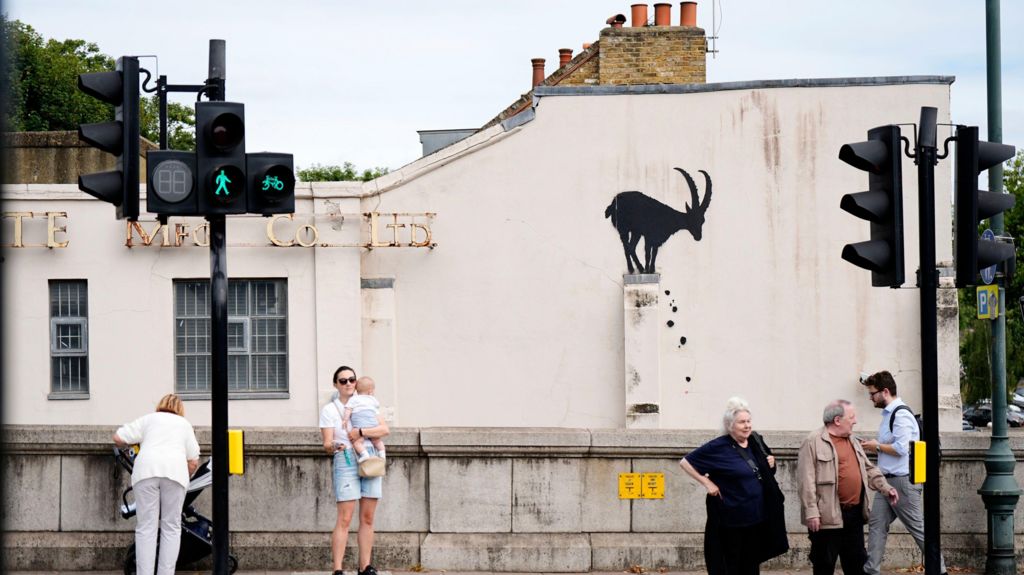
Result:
[{"x": 515, "y": 318}]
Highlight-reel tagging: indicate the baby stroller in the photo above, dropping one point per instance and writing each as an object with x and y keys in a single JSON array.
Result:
[{"x": 196, "y": 530}]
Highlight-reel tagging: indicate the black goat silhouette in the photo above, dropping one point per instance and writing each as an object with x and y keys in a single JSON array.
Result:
[{"x": 636, "y": 216}]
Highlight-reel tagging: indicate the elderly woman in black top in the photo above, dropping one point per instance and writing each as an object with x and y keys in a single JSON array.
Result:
[{"x": 745, "y": 515}]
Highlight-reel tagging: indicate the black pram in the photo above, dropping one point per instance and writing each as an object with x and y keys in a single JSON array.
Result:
[{"x": 196, "y": 530}]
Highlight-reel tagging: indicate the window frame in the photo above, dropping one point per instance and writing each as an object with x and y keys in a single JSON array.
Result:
[
  {"x": 247, "y": 350},
  {"x": 82, "y": 351}
]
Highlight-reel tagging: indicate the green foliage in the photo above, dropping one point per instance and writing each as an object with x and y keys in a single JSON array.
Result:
[
  {"x": 346, "y": 172},
  {"x": 976, "y": 334},
  {"x": 181, "y": 122},
  {"x": 42, "y": 81}
]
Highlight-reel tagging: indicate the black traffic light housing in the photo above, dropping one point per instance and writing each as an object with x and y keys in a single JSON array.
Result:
[
  {"x": 271, "y": 183},
  {"x": 171, "y": 183},
  {"x": 220, "y": 158},
  {"x": 120, "y": 137},
  {"x": 882, "y": 205},
  {"x": 974, "y": 156}
]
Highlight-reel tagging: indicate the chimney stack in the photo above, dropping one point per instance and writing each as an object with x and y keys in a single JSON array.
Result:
[
  {"x": 663, "y": 14},
  {"x": 616, "y": 21},
  {"x": 538, "y": 71},
  {"x": 564, "y": 55},
  {"x": 688, "y": 14},
  {"x": 639, "y": 15}
]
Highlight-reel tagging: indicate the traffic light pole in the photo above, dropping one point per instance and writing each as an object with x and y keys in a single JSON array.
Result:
[
  {"x": 999, "y": 491},
  {"x": 219, "y": 350},
  {"x": 926, "y": 157}
]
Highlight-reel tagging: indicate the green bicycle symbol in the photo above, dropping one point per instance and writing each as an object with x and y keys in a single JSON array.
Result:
[{"x": 272, "y": 182}]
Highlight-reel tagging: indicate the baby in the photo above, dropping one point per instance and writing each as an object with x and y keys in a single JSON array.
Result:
[{"x": 361, "y": 412}]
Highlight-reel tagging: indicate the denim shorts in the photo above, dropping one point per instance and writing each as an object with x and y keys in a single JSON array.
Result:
[{"x": 348, "y": 486}]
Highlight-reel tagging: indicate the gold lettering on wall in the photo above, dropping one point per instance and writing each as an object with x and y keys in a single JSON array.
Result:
[
  {"x": 53, "y": 227},
  {"x": 147, "y": 238},
  {"x": 406, "y": 229}
]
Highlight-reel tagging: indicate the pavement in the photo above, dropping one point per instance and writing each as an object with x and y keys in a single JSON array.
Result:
[{"x": 807, "y": 571}]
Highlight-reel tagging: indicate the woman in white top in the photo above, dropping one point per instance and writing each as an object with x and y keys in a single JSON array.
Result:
[
  {"x": 348, "y": 486},
  {"x": 168, "y": 456}
]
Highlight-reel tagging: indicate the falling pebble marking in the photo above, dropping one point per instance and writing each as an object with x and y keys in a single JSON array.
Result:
[
  {"x": 682, "y": 340},
  {"x": 671, "y": 323}
]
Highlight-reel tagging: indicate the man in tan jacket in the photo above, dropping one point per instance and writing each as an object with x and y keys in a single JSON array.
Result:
[{"x": 833, "y": 476}]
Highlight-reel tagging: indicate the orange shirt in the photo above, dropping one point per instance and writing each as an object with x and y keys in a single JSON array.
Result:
[{"x": 849, "y": 471}]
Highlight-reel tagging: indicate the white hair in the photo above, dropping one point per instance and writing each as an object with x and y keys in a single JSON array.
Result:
[{"x": 733, "y": 407}]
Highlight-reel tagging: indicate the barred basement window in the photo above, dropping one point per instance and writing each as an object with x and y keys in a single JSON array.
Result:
[
  {"x": 69, "y": 338},
  {"x": 257, "y": 336}
]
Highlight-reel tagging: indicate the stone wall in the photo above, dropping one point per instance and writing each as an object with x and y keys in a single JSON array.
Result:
[
  {"x": 475, "y": 499},
  {"x": 652, "y": 55},
  {"x": 58, "y": 158}
]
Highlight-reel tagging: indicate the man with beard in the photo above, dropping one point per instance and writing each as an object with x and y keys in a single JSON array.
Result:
[{"x": 897, "y": 430}]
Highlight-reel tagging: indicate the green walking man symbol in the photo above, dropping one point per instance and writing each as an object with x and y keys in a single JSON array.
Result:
[{"x": 222, "y": 182}]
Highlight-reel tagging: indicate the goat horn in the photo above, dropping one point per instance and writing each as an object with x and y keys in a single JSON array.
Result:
[
  {"x": 707, "y": 191},
  {"x": 693, "y": 189}
]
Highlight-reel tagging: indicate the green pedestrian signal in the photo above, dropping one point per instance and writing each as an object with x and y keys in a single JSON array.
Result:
[
  {"x": 220, "y": 158},
  {"x": 226, "y": 185}
]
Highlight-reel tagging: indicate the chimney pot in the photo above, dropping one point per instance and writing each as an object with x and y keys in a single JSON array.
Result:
[
  {"x": 688, "y": 14},
  {"x": 586, "y": 45},
  {"x": 538, "y": 70},
  {"x": 564, "y": 55},
  {"x": 663, "y": 14},
  {"x": 616, "y": 21},
  {"x": 639, "y": 13}
]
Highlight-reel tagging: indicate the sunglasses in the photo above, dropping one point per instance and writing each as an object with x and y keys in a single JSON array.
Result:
[{"x": 343, "y": 380}]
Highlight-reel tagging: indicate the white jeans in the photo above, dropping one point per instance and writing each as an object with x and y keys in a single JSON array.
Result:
[{"x": 158, "y": 502}]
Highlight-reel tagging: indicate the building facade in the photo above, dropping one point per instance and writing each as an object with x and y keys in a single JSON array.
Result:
[{"x": 569, "y": 294}]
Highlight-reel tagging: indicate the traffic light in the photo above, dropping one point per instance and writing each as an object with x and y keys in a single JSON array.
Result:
[
  {"x": 220, "y": 158},
  {"x": 974, "y": 156},
  {"x": 271, "y": 183},
  {"x": 882, "y": 205},
  {"x": 120, "y": 137},
  {"x": 171, "y": 183}
]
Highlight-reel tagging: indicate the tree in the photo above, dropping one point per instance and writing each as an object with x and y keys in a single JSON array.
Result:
[
  {"x": 976, "y": 334},
  {"x": 42, "y": 81},
  {"x": 181, "y": 123},
  {"x": 346, "y": 172}
]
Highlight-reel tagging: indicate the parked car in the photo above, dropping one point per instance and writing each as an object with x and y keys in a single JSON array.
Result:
[
  {"x": 967, "y": 426},
  {"x": 1014, "y": 416},
  {"x": 1018, "y": 397},
  {"x": 979, "y": 414}
]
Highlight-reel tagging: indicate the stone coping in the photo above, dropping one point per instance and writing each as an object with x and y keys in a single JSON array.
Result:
[{"x": 467, "y": 441}]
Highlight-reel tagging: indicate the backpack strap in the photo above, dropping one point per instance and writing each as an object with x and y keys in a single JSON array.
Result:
[
  {"x": 892, "y": 418},
  {"x": 750, "y": 462}
]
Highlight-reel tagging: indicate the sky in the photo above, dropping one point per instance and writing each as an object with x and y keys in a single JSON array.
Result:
[{"x": 343, "y": 81}]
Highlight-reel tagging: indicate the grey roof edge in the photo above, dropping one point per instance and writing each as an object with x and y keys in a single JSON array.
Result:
[
  {"x": 520, "y": 118},
  {"x": 541, "y": 91}
]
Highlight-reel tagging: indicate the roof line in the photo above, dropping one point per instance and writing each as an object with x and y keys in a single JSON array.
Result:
[{"x": 603, "y": 90}]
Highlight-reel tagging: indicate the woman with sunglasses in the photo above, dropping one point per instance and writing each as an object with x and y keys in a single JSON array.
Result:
[{"x": 348, "y": 486}]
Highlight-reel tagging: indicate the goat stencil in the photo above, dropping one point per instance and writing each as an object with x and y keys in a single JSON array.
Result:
[{"x": 636, "y": 215}]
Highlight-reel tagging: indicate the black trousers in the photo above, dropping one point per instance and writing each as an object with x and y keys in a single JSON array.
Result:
[{"x": 845, "y": 544}]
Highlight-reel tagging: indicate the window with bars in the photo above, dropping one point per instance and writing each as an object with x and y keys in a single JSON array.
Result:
[
  {"x": 69, "y": 338},
  {"x": 257, "y": 336}
]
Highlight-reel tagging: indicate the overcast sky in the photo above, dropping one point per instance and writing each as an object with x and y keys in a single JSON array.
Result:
[{"x": 334, "y": 81}]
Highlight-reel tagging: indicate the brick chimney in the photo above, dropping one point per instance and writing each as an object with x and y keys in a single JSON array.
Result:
[{"x": 660, "y": 54}]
